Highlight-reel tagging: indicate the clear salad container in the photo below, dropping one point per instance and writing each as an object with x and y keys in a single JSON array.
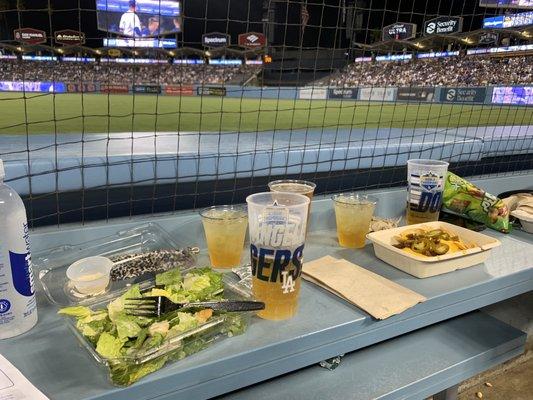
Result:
[
  {"x": 143, "y": 245},
  {"x": 125, "y": 367}
]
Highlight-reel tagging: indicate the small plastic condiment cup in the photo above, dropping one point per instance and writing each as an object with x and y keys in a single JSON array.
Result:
[{"x": 90, "y": 275}]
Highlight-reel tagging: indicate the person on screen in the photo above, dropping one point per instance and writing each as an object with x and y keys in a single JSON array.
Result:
[
  {"x": 153, "y": 27},
  {"x": 130, "y": 24}
]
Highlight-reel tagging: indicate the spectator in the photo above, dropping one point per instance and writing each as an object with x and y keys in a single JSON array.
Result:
[
  {"x": 119, "y": 74},
  {"x": 451, "y": 71}
]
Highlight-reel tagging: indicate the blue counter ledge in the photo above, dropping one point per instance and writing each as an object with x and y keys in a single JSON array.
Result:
[{"x": 325, "y": 326}]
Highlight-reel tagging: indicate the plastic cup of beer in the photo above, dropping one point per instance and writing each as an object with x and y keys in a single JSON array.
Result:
[
  {"x": 225, "y": 231},
  {"x": 425, "y": 184},
  {"x": 353, "y": 213},
  {"x": 294, "y": 186},
  {"x": 278, "y": 222}
]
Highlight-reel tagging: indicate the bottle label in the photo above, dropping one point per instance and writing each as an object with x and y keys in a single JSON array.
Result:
[{"x": 21, "y": 273}]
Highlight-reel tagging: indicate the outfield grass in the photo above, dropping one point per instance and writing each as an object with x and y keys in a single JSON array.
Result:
[{"x": 65, "y": 113}]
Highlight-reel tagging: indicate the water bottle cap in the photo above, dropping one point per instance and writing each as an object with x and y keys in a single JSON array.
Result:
[{"x": 2, "y": 171}]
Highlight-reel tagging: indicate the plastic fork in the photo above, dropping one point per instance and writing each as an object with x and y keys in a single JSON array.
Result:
[{"x": 155, "y": 306}]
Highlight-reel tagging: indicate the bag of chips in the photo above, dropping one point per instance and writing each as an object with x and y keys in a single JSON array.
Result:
[{"x": 463, "y": 198}]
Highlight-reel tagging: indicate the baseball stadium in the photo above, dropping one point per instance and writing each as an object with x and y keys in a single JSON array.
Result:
[{"x": 125, "y": 125}]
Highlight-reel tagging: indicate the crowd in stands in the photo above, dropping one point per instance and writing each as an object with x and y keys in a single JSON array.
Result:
[
  {"x": 461, "y": 71},
  {"x": 116, "y": 73},
  {"x": 451, "y": 71}
]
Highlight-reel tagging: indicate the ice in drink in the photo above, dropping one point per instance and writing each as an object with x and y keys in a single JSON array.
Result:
[
  {"x": 225, "y": 231},
  {"x": 353, "y": 213}
]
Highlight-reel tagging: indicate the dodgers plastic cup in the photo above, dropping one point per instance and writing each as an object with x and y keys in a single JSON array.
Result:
[
  {"x": 425, "y": 184},
  {"x": 277, "y": 224}
]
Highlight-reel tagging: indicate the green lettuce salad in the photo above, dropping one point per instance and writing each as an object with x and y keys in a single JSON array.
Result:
[{"x": 124, "y": 339}]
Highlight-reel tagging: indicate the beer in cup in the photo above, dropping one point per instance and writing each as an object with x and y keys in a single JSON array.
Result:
[
  {"x": 278, "y": 223},
  {"x": 425, "y": 184}
]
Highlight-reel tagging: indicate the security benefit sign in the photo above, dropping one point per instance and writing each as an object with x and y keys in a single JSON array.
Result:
[
  {"x": 443, "y": 26},
  {"x": 463, "y": 95},
  {"x": 399, "y": 31},
  {"x": 252, "y": 40},
  {"x": 216, "y": 39}
]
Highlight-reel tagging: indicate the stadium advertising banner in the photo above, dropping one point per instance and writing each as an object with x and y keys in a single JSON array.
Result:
[
  {"x": 517, "y": 95},
  {"x": 343, "y": 93},
  {"x": 47, "y": 87},
  {"x": 146, "y": 89},
  {"x": 377, "y": 94},
  {"x": 399, "y": 31},
  {"x": 252, "y": 40},
  {"x": 509, "y": 20},
  {"x": 68, "y": 37},
  {"x": 29, "y": 35},
  {"x": 415, "y": 94},
  {"x": 488, "y": 38},
  {"x": 105, "y": 88},
  {"x": 140, "y": 42},
  {"x": 175, "y": 90},
  {"x": 506, "y": 3},
  {"x": 139, "y": 18},
  {"x": 216, "y": 39},
  {"x": 443, "y": 25},
  {"x": 463, "y": 95},
  {"x": 313, "y": 93},
  {"x": 211, "y": 91},
  {"x": 81, "y": 88}
]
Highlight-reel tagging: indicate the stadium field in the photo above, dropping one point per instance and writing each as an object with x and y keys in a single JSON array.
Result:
[{"x": 97, "y": 113}]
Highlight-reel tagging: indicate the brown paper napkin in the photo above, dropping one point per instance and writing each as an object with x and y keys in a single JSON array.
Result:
[{"x": 378, "y": 296}]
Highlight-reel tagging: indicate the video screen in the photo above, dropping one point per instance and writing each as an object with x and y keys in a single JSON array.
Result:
[
  {"x": 139, "y": 18},
  {"x": 509, "y": 20},
  {"x": 50, "y": 87},
  {"x": 518, "y": 95},
  {"x": 507, "y": 3}
]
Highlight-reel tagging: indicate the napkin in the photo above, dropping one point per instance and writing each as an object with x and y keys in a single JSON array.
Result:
[{"x": 371, "y": 292}]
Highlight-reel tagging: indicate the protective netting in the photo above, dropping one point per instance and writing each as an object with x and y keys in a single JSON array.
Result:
[{"x": 172, "y": 104}]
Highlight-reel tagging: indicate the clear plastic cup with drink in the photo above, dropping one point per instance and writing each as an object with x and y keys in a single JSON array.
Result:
[
  {"x": 353, "y": 213},
  {"x": 425, "y": 184},
  {"x": 225, "y": 231},
  {"x": 278, "y": 223},
  {"x": 294, "y": 186}
]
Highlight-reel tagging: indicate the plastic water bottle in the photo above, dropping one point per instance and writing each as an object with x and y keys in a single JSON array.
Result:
[{"x": 18, "y": 307}]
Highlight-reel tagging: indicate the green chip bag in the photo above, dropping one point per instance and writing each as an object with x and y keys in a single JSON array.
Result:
[{"x": 463, "y": 198}]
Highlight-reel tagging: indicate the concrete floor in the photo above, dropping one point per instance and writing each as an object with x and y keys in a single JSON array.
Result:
[{"x": 510, "y": 381}]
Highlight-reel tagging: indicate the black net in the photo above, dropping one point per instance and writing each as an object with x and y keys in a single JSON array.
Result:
[{"x": 117, "y": 108}]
